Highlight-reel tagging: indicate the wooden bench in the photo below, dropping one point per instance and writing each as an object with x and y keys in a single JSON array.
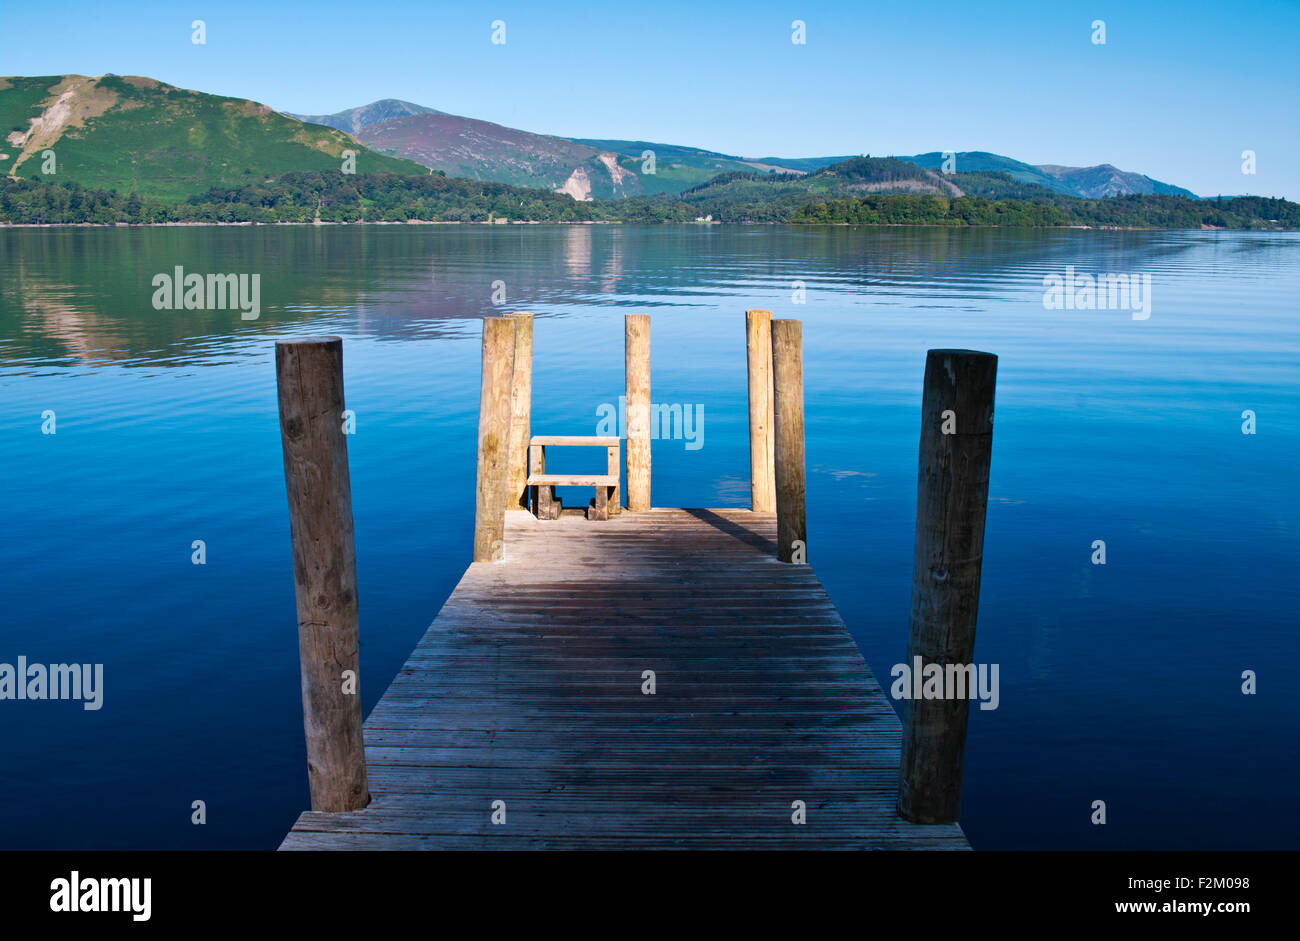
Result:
[{"x": 542, "y": 485}]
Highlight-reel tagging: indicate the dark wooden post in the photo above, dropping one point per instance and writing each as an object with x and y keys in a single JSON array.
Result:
[
  {"x": 636, "y": 365},
  {"x": 787, "y": 398},
  {"x": 521, "y": 406},
  {"x": 951, "y": 499},
  {"x": 491, "y": 498},
  {"x": 309, "y": 376},
  {"x": 762, "y": 455}
]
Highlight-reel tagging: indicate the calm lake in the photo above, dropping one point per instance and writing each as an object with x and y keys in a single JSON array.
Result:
[{"x": 1120, "y": 682}]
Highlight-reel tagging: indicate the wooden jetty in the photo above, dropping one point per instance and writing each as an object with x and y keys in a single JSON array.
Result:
[{"x": 652, "y": 679}]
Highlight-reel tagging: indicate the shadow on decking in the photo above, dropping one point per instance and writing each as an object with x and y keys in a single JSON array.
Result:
[{"x": 725, "y": 525}]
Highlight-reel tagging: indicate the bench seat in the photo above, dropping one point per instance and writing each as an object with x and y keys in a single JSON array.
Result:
[
  {"x": 574, "y": 441},
  {"x": 573, "y": 480}
]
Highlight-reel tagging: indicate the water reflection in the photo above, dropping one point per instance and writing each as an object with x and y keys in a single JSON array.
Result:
[{"x": 1107, "y": 428}]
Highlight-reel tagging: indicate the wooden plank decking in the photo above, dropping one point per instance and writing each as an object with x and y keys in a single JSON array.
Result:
[{"x": 527, "y": 689}]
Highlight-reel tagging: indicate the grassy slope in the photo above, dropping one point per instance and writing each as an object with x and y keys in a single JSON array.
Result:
[
  {"x": 991, "y": 184},
  {"x": 669, "y": 178},
  {"x": 776, "y": 197},
  {"x": 709, "y": 163},
  {"x": 981, "y": 161},
  {"x": 807, "y": 164},
  {"x": 20, "y": 99},
  {"x": 168, "y": 142},
  {"x": 676, "y": 168}
]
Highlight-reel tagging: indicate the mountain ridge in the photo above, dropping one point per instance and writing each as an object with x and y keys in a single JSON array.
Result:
[
  {"x": 353, "y": 119},
  {"x": 478, "y": 149},
  {"x": 141, "y": 135},
  {"x": 1087, "y": 182}
]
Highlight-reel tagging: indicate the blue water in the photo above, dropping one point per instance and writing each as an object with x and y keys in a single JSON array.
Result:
[{"x": 1119, "y": 682}]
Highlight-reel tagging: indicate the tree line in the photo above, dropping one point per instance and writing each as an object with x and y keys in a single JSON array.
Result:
[{"x": 310, "y": 196}]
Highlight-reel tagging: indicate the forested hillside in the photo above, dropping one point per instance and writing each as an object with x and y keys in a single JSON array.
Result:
[{"x": 860, "y": 191}]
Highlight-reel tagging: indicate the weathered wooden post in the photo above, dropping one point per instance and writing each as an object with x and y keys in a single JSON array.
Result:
[
  {"x": 951, "y": 498},
  {"x": 521, "y": 406},
  {"x": 636, "y": 352},
  {"x": 762, "y": 455},
  {"x": 309, "y": 377},
  {"x": 787, "y": 400},
  {"x": 491, "y": 497}
]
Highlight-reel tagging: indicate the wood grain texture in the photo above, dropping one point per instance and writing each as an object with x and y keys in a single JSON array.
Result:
[
  {"x": 527, "y": 689},
  {"x": 636, "y": 352},
  {"x": 762, "y": 453},
  {"x": 951, "y": 500},
  {"x": 787, "y": 400},
  {"x": 572, "y": 480},
  {"x": 576, "y": 441},
  {"x": 490, "y": 491},
  {"x": 309, "y": 377},
  {"x": 521, "y": 407}
]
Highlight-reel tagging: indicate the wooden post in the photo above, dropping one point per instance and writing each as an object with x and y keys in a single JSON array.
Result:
[
  {"x": 521, "y": 406},
  {"x": 787, "y": 400},
  {"x": 636, "y": 352},
  {"x": 762, "y": 455},
  {"x": 951, "y": 499},
  {"x": 309, "y": 377},
  {"x": 493, "y": 438}
]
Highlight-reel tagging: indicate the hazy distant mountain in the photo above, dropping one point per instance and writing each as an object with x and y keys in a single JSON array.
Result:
[
  {"x": 354, "y": 119},
  {"x": 1105, "y": 180},
  {"x": 601, "y": 168},
  {"x": 483, "y": 150},
  {"x": 1089, "y": 182},
  {"x": 139, "y": 135}
]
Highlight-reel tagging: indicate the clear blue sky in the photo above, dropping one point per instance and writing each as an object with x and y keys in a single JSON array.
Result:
[{"x": 1178, "y": 91}]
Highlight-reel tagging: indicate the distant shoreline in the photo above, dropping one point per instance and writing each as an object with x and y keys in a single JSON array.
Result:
[{"x": 606, "y": 222}]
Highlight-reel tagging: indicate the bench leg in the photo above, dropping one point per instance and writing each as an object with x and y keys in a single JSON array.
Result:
[
  {"x": 599, "y": 509},
  {"x": 548, "y": 507},
  {"x": 612, "y": 468},
  {"x": 537, "y": 465}
]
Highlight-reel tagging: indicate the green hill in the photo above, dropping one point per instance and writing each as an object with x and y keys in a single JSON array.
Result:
[
  {"x": 139, "y": 135},
  {"x": 979, "y": 161},
  {"x": 752, "y": 196},
  {"x": 676, "y": 168}
]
